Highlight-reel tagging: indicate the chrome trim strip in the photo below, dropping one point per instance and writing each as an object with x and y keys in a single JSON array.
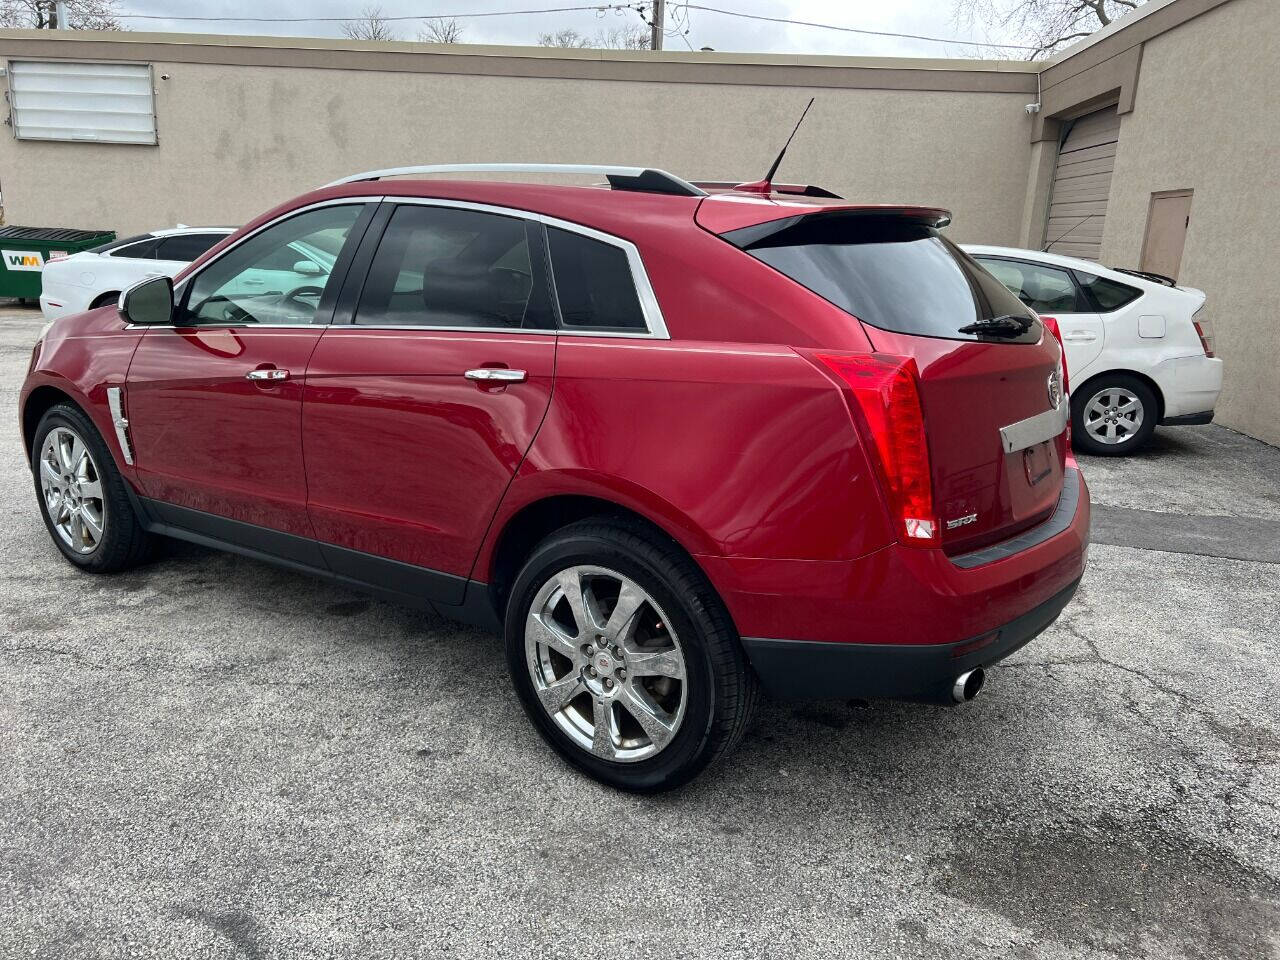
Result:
[
  {"x": 1043, "y": 426},
  {"x": 1063, "y": 516},
  {"x": 116, "y": 404}
]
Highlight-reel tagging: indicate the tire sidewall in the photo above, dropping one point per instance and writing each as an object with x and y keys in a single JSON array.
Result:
[
  {"x": 72, "y": 419},
  {"x": 684, "y": 755},
  {"x": 1087, "y": 444}
]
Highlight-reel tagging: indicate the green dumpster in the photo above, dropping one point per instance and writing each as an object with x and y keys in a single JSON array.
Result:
[{"x": 25, "y": 250}]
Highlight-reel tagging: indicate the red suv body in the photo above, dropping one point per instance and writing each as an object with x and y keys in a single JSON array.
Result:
[{"x": 813, "y": 446}]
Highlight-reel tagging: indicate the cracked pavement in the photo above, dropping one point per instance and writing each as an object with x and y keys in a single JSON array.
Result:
[{"x": 212, "y": 757}]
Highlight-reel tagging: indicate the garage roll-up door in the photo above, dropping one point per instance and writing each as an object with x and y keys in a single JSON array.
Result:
[{"x": 1081, "y": 184}]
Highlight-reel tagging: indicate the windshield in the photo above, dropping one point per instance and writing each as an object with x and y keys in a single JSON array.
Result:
[{"x": 891, "y": 272}]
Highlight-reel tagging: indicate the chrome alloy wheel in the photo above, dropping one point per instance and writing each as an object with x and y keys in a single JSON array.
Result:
[
  {"x": 1113, "y": 415},
  {"x": 605, "y": 663},
  {"x": 72, "y": 490}
]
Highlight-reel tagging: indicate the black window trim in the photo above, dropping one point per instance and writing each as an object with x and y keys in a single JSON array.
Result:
[
  {"x": 655, "y": 323},
  {"x": 341, "y": 266},
  {"x": 1081, "y": 293}
]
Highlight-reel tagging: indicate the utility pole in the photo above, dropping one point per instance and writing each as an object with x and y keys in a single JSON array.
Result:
[
  {"x": 656, "y": 42},
  {"x": 59, "y": 15}
]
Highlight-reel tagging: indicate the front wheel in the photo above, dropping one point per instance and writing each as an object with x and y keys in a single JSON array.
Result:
[
  {"x": 1113, "y": 416},
  {"x": 624, "y": 658},
  {"x": 82, "y": 496}
]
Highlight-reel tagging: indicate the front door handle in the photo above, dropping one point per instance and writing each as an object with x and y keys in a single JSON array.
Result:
[
  {"x": 501, "y": 374},
  {"x": 271, "y": 373}
]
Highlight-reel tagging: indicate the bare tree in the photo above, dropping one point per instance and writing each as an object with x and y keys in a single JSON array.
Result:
[
  {"x": 40, "y": 14},
  {"x": 618, "y": 38},
  {"x": 440, "y": 30},
  {"x": 1044, "y": 24},
  {"x": 372, "y": 24}
]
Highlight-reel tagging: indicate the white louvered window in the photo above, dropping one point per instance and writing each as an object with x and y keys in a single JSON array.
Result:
[{"x": 94, "y": 102}]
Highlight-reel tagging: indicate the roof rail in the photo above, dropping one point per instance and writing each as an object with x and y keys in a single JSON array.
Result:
[{"x": 642, "y": 179}]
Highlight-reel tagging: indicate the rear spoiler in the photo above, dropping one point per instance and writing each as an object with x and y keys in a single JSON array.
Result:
[
  {"x": 794, "y": 189},
  {"x": 1148, "y": 275},
  {"x": 743, "y": 237}
]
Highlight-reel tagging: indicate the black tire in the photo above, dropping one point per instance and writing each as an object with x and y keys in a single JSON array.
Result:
[
  {"x": 124, "y": 542},
  {"x": 1133, "y": 441},
  {"x": 720, "y": 691},
  {"x": 103, "y": 300}
]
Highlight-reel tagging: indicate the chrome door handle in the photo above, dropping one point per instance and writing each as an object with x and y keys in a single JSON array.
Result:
[
  {"x": 268, "y": 374},
  {"x": 497, "y": 373},
  {"x": 1079, "y": 336}
]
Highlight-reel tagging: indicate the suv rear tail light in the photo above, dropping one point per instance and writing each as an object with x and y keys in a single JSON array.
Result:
[
  {"x": 1204, "y": 330},
  {"x": 1052, "y": 324},
  {"x": 888, "y": 399}
]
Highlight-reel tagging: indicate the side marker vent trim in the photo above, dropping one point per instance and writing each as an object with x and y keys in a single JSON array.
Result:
[{"x": 115, "y": 400}]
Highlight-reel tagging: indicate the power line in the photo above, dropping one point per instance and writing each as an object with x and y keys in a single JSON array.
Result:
[
  {"x": 872, "y": 33},
  {"x": 596, "y": 7}
]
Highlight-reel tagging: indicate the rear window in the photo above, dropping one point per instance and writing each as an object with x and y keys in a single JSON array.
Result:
[
  {"x": 186, "y": 246},
  {"x": 114, "y": 244},
  {"x": 893, "y": 273},
  {"x": 144, "y": 249}
]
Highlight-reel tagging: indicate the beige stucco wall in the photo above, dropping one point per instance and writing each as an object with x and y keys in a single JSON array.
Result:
[
  {"x": 1207, "y": 117},
  {"x": 237, "y": 139}
]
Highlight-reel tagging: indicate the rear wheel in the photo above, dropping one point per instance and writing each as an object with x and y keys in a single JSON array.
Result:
[
  {"x": 624, "y": 658},
  {"x": 103, "y": 300},
  {"x": 82, "y": 496},
  {"x": 1113, "y": 416}
]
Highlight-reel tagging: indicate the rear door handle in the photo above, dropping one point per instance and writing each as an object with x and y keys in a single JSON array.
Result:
[
  {"x": 270, "y": 373},
  {"x": 497, "y": 374},
  {"x": 1079, "y": 336}
]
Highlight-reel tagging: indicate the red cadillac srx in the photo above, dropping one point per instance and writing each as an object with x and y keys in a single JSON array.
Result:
[{"x": 682, "y": 443}]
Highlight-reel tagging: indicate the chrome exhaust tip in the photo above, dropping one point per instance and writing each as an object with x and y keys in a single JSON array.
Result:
[{"x": 968, "y": 684}]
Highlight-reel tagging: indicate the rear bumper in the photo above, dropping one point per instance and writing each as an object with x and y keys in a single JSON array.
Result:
[
  {"x": 1190, "y": 385},
  {"x": 797, "y": 669},
  {"x": 908, "y": 608}
]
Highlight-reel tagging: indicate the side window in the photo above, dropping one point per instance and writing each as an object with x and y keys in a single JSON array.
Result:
[
  {"x": 142, "y": 250},
  {"x": 593, "y": 283},
  {"x": 1044, "y": 289},
  {"x": 276, "y": 276},
  {"x": 186, "y": 246},
  {"x": 442, "y": 267},
  {"x": 1108, "y": 294}
]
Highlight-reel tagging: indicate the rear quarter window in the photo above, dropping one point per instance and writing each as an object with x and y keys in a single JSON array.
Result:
[
  {"x": 594, "y": 284},
  {"x": 1108, "y": 294},
  {"x": 894, "y": 273}
]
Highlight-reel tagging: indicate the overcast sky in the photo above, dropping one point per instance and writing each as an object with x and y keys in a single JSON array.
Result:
[{"x": 705, "y": 29}]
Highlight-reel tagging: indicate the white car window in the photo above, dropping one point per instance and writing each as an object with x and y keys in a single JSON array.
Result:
[{"x": 1043, "y": 288}]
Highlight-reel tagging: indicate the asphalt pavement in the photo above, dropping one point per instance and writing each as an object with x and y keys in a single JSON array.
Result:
[{"x": 211, "y": 757}]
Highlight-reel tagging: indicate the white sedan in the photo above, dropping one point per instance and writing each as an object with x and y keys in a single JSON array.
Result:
[
  {"x": 1139, "y": 348},
  {"x": 96, "y": 277}
]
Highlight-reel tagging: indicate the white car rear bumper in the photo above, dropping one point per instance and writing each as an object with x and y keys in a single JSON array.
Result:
[{"x": 1190, "y": 385}]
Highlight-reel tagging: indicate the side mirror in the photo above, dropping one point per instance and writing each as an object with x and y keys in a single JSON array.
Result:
[
  {"x": 148, "y": 302},
  {"x": 307, "y": 268}
]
